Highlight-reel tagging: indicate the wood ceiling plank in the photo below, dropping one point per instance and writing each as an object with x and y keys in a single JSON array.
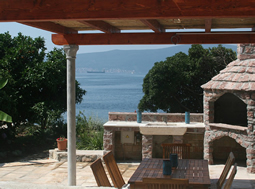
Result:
[
  {"x": 208, "y": 25},
  {"x": 153, "y": 38},
  {"x": 102, "y": 26},
  {"x": 154, "y": 25},
  {"x": 50, "y": 26},
  {"x": 47, "y": 10}
]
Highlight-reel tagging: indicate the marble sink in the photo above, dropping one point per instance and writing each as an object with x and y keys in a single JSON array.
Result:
[{"x": 162, "y": 128}]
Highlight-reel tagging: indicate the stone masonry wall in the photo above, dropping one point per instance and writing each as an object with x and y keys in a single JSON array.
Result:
[
  {"x": 147, "y": 143},
  {"x": 110, "y": 136},
  {"x": 246, "y": 51},
  {"x": 144, "y": 148},
  {"x": 169, "y": 117},
  {"x": 128, "y": 151},
  {"x": 244, "y": 137}
]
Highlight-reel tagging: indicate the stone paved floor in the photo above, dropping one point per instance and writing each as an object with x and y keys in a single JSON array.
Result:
[{"x": 53, "y": 174}]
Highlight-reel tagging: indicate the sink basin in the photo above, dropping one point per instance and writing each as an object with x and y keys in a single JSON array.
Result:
[
  {"x": 161, "y": 124},
  {"x": 162, "y": 129}
]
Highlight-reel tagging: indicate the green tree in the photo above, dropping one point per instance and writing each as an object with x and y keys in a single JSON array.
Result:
[
  {"x": 173, "y": 85},
  {"x": 36, "y": 91},
  {"x": 3, "y": 116}
]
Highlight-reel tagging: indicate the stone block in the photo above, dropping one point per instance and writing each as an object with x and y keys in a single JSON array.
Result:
[
  {"x": 251, "y": 170},
  {"x": 250, "y": 151}
]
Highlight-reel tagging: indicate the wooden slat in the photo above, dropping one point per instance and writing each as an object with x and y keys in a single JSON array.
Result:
[
  {"x": 46, "y": 10},
  {"x": 229, "y": 163},
  {"x": 231, "y": 177},
  {"x": 165, "y": 183},
  {"x": 153, "y": 38},
  {"x": 50, "y": 26},
  {"x": 183, "y": 150},
  {"x": 102, "y": 26},
  {"x": 99, "y": 173},
  {"x": 196, "y": 171},
  {"x": 113, "y": 170},
  {"x": 208, "y": 25},
  {"x": 154, "y": 25}
]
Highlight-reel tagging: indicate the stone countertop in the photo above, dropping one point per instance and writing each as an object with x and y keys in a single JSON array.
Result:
[
  {"x": 125, "y": 124},
  {"x": 149, "y": 124},
  {"x": 157, "y": 128}
]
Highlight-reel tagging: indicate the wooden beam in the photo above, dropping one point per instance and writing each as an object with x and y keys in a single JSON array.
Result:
[
  {"x": 154, "y": 25},
  {"x": 102, "y": 26},
  {"x": 208, "y": 25},
  {"x": 50, "y": 26},
  {"x": 49, "y": 10},
  {"x": 153, "y": 38}
]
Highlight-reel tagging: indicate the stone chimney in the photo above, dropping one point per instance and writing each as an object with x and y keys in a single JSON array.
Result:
[{"x": 246, "y": 51}]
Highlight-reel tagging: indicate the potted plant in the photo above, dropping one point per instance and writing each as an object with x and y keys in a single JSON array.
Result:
[{"x": 62, "y": 143}]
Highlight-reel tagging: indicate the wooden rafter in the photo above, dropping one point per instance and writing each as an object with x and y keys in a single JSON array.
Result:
[
  {"x": 154, "y": 25},
  {"x": 49, "y": 10},
  {"x": 102, "y": 26},
  {"x": 50, "y": 26},
  {"x": 153, "y": 38},
  {"x": 208, "y": 25}
]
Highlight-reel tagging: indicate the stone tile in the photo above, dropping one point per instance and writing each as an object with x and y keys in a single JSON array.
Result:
[
  {"x": 10, "y": 169},
  {"x": 63, "y": 165},
  {"x": 43, "y": 180},
  {"x": 88, "y": 183},
  {"x": 59, "y": 177},
  {"x": 12, "y": 177},
  {"x": 25, "y": 169}
]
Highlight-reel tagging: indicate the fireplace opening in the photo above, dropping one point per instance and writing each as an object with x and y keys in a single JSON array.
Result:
[
  {"x": 223, "y": 146},
  {"x": 229, "y": 109}
]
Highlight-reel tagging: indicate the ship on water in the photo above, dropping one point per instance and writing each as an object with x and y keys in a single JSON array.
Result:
[{"x": 95, "y": 71}]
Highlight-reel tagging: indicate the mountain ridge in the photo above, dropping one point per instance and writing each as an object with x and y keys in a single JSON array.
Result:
[{"x": 130, "y": 61}]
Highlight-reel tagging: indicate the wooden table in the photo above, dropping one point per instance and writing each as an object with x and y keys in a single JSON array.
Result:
[{"x": 196, "y": 170}]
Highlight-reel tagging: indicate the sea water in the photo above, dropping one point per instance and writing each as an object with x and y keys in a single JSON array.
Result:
[{"x": 109, "y": 92}]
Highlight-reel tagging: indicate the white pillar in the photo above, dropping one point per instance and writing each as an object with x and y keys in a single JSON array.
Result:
[{"x": 71, "y": 51}]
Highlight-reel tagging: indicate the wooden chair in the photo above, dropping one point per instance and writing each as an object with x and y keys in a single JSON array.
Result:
[
  {"x": 183, "y": 150},
  {"x": 113, "y": 170},
  {"x": 99, "y": 173},
  {"x": 231, "y": 177},
  {"x": 165, "y": 183},
  {"x": 229, "y": 163}
]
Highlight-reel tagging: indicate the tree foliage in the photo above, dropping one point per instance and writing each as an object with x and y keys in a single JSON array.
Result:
[
  {"x": 3, "y": 116},
  {"x": 36, "y": 91},
  {"x": 173, "y": 85}
]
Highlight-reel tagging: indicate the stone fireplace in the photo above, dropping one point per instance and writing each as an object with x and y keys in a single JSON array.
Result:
[{"x": 229, "y": 116}]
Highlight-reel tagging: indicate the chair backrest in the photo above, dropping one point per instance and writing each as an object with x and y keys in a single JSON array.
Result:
[
  {"x": 113, "y": 170},
  {"x": 231, "y": 177},
  {"x": 183, "y": 150},
  {"x": 99, "y": 173},
  {"x": 165, "y": 183},
  {"x": 223, "y": 176}
]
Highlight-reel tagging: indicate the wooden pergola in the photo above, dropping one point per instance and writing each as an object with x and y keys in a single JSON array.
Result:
[{"x": 74, "y": 23}]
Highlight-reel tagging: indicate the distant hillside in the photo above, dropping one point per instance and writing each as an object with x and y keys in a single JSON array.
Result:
[{"x": 137, "y": 61}]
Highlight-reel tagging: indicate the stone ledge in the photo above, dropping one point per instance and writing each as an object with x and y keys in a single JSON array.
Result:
[
  {"x": 81, "y": 155},
  {"x": 228, "y": 126},
  {"x": 149, "y": 116}
]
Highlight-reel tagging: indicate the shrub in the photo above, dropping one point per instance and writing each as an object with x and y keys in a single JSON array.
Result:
[{"x": 89, "y": 133}]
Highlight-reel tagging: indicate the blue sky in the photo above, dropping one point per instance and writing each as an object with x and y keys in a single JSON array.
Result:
[{"x": 15, "y": 28}]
